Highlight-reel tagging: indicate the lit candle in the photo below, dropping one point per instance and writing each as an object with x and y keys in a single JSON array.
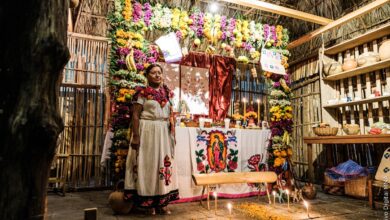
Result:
[
  {"x": 307, "y": 207},
  {"x": 215, "y": 201},
  {"x": 288, "y": 199},
  {"x": 258, "y": 110},
  {"x": 229, "y": 206},
  {"x": 274, "y": 194},
  {"x": 244, "y": 100}
]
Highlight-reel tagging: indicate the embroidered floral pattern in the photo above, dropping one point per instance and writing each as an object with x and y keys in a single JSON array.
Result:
[
  {"x": 151, "y": 201},
  {"x": 160, "y": 95},
  {"x": 166, "y": 171}
]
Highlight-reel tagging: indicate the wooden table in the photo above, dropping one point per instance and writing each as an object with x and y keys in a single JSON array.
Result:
[{"x": 347, "y": 139}]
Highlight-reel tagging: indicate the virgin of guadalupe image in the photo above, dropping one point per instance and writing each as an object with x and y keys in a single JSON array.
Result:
[{"x": 217, "y": 153}]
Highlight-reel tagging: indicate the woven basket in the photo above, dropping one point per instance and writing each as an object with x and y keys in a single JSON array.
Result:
[
  {"x": 333, "y": 187},
  {"x": 328, "y": 131},
  {"x": 357, "y": 187},
  {"x": 352, "y": 131}
]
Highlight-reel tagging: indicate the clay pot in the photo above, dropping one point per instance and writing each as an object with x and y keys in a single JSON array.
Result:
[
  {"x": 384, "y": 50},
  {"x": 117, "y": 203},
  {"x": 368, "y": 58},
  {"x": 309, "y": 191},
  {"x": 73, "y": 3},
  {"x": 332, "y": 68},
  {"x": 349, "y": 64}
]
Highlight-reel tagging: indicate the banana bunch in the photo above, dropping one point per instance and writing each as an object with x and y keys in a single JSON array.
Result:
[
  {"x": 286, "y": 138},
  {"x": 284, "y": 85},
  {"x": 130, "y": 63}
]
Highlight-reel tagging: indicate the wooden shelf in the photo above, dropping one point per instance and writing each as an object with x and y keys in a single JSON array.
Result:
[
  {"x": 81, "y": 86},
  {"x": 360, "y": 70},
  {"x": 368, "y": 36},
  {"x": 363, "y": 101},
  {"x": 348, "y": 139}
]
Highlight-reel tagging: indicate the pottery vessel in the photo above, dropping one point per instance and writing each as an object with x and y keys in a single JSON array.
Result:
[
  {"x": 349, "y": 64},
  {"x": 332, "y": 68},
  {"x": 368, "y": 58},
  {"x": 384, "y": 50}
]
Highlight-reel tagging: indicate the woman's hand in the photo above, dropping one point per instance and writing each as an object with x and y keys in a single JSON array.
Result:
[{"x": 135, "y": 142}]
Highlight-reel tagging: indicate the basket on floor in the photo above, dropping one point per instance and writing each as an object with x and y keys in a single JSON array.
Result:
[
  {"x": 328, "y": 131},
  {"x": 357, "y": 187},
  {"x": 333, "y": 187}
]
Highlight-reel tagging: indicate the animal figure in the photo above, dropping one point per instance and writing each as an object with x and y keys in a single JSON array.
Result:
[{"x": 280, "y": 195}]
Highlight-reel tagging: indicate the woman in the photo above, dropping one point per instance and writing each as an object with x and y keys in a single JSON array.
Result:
[{"x": 151, "y": 180}]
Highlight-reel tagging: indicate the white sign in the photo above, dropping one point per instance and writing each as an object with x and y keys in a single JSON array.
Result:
[
  {"x": 272, "y": 62},
  {"x": 170, "y": 47}
]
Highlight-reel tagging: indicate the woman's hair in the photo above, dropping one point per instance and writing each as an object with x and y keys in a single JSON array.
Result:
[{"x": 151, "y": 66}]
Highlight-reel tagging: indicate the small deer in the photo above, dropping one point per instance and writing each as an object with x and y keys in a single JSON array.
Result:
[{"x": 297, "y": 195}]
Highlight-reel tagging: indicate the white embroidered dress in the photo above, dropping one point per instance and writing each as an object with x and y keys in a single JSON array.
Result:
[{"x": 151, "y": 179}]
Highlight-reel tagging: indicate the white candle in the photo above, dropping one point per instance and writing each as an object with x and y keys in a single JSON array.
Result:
[
  {"x": 306, "y": 204},
  {"x": 288, "y": 199},
  {"x": 258, "y": 110},
  {"x": 244, "y": 100},
  {"x": 215, "y": 201},
  {"x": 229, "y": 206},
  {"x": 274, "y": 194}
]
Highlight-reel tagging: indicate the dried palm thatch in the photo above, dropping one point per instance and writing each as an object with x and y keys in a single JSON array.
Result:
[{"x": 91, "y": 17}]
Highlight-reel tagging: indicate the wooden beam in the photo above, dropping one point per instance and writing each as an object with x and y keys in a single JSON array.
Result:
[
  {"x": 360, "y": 12},
  {"x": 265, "y": 6}
]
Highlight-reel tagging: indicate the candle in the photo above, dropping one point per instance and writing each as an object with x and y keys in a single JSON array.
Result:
[
  {"x": 274, "y": 194},
  {"x": 258, "y": 111},
  {"x": 288, "y": 199},
  {"x": 307, "y": 207},
  {"x": 244, "y": 100},
  {"x": 229, "y": 206},
  {"x": 215, "y": 201}
]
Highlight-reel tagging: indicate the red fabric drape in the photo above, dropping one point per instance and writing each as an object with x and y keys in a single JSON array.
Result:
[
  {"x": 221, "y": 76},
  {"x": 196, "y": 59}
]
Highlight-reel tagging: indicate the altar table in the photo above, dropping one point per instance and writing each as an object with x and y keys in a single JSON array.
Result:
[{"x": 219, "y": 150}]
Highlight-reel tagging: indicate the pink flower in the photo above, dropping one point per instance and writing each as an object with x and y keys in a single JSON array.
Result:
[
  {"x": 232, "y": 165},
  {"x": 200, "y": 166},
  {"x": 254, "y": 160}
]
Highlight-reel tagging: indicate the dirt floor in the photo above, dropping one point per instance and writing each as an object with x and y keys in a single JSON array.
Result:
[{"x": 323, "y": 207}]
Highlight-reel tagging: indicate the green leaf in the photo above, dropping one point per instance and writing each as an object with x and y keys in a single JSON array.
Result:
[
  {"x": 198, "y": 160},
  {"x": 201, "y": 152}
]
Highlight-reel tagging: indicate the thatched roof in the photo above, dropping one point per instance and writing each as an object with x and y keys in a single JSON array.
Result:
[{"x": 90, "y": 17}]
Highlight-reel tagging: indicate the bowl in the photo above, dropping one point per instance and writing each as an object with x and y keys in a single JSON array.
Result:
[{"x": 327, "y": 131}]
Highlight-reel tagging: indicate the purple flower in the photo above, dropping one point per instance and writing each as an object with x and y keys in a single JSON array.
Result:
[
  {"x": 247, "y": 46},
  {"x": 137, "y": 11},
  {"x": 223, "y": 27},
  {"x": 139, "y": 66},
  {"x": 148, "y": 13},
  {"x": 266, "y": 29},
  {"x": 276, "y": 85},
  {"x": 122, "y": 51},
  {"x": 151, "y": 60},
  {"x": 121, "y": 64},
  {"x": 179, "y": 35}
]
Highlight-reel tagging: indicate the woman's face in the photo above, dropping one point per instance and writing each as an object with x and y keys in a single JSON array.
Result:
[{"x": 155, "y": 75}]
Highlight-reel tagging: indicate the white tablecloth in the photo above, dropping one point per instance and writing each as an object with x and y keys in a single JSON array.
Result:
[{"x": 238, "y": 151}]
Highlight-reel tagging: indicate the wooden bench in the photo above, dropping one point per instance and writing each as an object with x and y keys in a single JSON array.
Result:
[{"x": 206, "y": 180}]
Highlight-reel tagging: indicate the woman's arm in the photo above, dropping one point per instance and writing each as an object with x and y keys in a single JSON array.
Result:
[{"x": 137, "y": 109}]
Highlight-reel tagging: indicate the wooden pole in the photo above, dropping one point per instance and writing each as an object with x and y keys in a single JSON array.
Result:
[{"x": 265, "y": 6}]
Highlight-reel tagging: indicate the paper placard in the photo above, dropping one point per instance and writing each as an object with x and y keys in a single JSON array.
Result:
[
  {"x": 271, "y": 61},
  {"x": 170, "y": 47}
]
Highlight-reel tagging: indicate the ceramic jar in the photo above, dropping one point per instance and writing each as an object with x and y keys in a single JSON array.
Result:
[
  {"x": 332, "y": 68},
  {"x": 73, "y": 3},
  {"x": 349, "y": 64},
  {"x": 368, "y": 58},
  {"x": 384, "y": 50}
]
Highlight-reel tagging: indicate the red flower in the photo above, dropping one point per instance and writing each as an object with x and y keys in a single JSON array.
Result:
[
  {"x": 200, "y": 166},
  {"x": 254, "y": 160},
  {"x": 232, "y": 165},
  {"x": 167, "y": 161}
]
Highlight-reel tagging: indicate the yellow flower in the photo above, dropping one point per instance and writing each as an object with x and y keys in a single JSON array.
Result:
[
  {"x": 127, "y": 10},
  {"x": 121, "y": 42}
]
